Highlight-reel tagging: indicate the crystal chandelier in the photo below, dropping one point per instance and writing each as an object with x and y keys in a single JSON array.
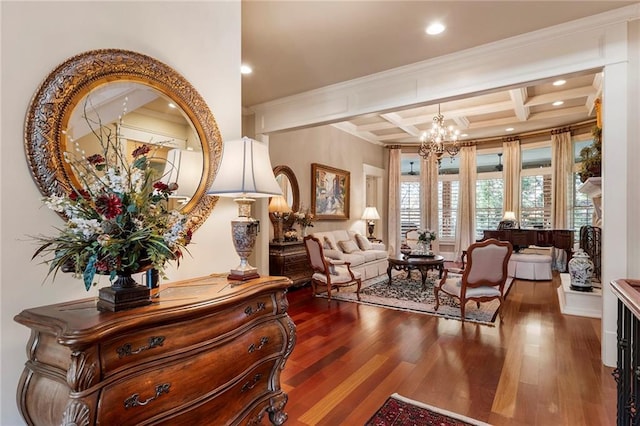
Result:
[{"x": 439, "y": 139}]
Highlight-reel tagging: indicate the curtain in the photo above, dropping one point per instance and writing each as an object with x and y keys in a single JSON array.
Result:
[
  {"x": 429, "y": 186},
  {"x": 511, "y": 176},
  {"x": 561, "y": 188},
  {"x": 466, "y": 221},
  {"x": 393, "y": 227},
  {"x": 561, "y": 178}
]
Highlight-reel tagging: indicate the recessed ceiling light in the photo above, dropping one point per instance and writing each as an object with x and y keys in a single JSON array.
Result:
[
  {"x": 435, "y": 28},
  {"x": 245, "y": 69},
  {"x": 509, "y": 129},
  {"x": 559, "y": 82},
  {"x": 557, "y": 103},
  {"x": 464, "y": 135},
  {"x": 172, "y": 105}
]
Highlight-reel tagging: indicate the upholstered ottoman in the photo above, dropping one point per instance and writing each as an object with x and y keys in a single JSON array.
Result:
[{"x": 527, "y": 266}]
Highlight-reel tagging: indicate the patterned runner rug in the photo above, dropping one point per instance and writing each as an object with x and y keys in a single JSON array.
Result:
[
  {"x": 400, "y": 411},
  {"x": 406, "y": 294}
]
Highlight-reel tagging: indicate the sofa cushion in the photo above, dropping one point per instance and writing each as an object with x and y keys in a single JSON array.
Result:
[
  {"x": 363, "y": 242},
  {"x": 333, "y": 254},
  {"x": 380, "y": 254},
  {"x": 369, "y": 255},
  {"x": 348, "y": 246},
  {"x": 355, "y": 259}
]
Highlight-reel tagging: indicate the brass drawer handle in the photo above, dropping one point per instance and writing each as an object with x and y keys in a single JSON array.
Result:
[
  {"x": 260, "y": 306},
  {"x": 134, "y": 401},
  {"x": 263, "y": 341},
  {"x": 125, "y": 350},
  {"x": 251, "y": 384}
]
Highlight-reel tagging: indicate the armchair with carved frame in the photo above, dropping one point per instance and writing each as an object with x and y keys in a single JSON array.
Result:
[
  {"x": 330, "y": 273},
  {"x": 483, "y": 278}
]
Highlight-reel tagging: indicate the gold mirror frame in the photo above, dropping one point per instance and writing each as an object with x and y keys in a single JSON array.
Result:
[
  {"x": 295, "y": 192},
  {"x": 52, "y": 105}
]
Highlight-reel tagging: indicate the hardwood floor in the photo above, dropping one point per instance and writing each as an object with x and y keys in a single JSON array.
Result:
[{"x": 538, "y": 367}]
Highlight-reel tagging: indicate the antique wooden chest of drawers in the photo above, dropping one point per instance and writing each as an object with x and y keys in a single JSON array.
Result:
[
  {"x": 290, "y": 260},
  {"x": 208, "y": 351}
]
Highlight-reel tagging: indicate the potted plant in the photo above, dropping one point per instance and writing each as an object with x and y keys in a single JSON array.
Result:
[{"x": 591, "y": 157}]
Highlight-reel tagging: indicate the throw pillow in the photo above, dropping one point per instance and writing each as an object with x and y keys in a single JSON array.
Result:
[
  {"x": 363, "y": 242},
  {"x": 328, "y": 244},
  {"x": 348, "y": 246},
  {"x": 333, "y": 254}
]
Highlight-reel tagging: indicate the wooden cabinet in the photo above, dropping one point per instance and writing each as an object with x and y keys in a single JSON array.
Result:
[
  {"x": 206, "y": 351},
  {"x": 290, "y": 259}
]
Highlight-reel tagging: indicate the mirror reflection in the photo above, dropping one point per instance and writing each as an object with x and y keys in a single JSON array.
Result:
[
  {"x": 290, "y": 191},
  {"x": 140, "y": 115},
  {"x": 285, "y": 185}
]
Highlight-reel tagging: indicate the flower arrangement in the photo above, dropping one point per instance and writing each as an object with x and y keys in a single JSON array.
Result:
[
  {"x": 426, "y": 235},
  {"x": 304, "y": 218},
  {"x": 118, "y": 219}
]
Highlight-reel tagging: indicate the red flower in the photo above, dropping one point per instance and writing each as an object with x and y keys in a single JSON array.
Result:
[
  {"x": 96, "y": 159},
  {"x": 161, "y": 186},
  {"x": 141, "y": 150},
  {"x": 102, "y": 266},
  {"x": 109, "y": 206}
]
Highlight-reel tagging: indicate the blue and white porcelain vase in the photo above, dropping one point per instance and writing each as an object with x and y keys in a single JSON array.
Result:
[{"x": 581, "y": 271}]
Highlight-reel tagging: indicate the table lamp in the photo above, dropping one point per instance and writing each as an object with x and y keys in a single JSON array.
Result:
[
  {"x": 245, "y": 173},
  {"x": 279, "y": 207},
  {"x": 508, "y": 221},
  {"x": 370, "y": 215}
]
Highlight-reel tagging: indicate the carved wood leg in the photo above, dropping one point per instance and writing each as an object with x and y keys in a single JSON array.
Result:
[{"x": 276, "y": 407}]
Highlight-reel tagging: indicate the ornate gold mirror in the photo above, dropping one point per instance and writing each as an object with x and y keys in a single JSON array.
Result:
[
  {"x": 290, "y": 191},
  {"x": 185, "y": 132}
]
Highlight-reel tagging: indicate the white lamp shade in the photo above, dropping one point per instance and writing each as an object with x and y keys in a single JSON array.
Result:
[
  {"x": 245, "y": 171},
  {"x": 509, "y": 216},
  {"x": 370, "y": 213}
]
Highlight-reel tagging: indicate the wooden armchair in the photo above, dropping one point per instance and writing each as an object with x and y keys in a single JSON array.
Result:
[
  {"x": 330, "y": 273},
  {"x": 483, "y": 278}
]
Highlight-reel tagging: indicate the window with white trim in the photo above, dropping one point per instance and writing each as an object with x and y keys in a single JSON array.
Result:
[
  {"x": 535, "y": 189},
  {"x": 447, "y": 206}
]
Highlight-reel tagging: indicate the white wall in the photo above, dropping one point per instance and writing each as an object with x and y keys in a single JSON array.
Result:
[
  {"x": 200, "y": 40},
  {"x": 331, "y": 147}
]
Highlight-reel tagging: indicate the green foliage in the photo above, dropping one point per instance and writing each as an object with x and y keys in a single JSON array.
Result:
[{"x": 591, "y": 157}]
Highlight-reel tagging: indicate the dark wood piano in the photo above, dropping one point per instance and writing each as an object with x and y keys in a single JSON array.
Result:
[{"x": 521, "y": 238}]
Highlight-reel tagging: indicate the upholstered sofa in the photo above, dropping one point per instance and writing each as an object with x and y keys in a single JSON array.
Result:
[{"x": 370, "y": 259}]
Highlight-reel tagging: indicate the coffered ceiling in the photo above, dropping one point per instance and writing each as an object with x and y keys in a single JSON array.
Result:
[{"x": 298, "y": 46}]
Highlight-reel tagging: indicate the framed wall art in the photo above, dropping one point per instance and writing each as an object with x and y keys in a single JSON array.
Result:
[{"x": 329, "y": 192}]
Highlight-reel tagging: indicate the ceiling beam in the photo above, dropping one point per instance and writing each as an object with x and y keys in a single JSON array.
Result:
[{"x": 519, "y": 97}]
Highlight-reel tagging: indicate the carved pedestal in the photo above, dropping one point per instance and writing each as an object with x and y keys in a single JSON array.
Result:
[{"x": 203, "y": 350}]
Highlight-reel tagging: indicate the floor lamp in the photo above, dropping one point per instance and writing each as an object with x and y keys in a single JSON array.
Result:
[{"x": 245, "y": 173}]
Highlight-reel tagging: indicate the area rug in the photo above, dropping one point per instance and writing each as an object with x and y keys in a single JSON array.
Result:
[
  {"x": 400, "y": 411},
  {"x": 405, "y": 294}
]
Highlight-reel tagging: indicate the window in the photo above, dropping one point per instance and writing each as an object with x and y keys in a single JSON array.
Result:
[
  {"x": 535, "y": 208},
  {"x": 447, "y": 208},
  {"x": 409, "y": 206},
  {"x": 489, "y": 195}
]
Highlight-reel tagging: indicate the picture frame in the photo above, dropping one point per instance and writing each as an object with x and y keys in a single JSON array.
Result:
[{"x": 330, "y": 192}]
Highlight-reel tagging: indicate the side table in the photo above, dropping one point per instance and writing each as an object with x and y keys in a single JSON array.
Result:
[{"x": 289, "y": 259}]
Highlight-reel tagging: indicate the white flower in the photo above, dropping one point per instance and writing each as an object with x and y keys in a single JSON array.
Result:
[
  {"x": 56, "y": 203},
  {"x": 87, "y": 227},
  {"x": 114, "y": 181}
]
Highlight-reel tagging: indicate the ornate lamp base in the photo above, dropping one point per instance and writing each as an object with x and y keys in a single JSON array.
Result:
[
  {"x": 123, "y": 294},
  {"x": 244, "y": 230}
]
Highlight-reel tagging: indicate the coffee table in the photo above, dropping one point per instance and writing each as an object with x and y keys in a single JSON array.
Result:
[{"x": 401, "y": 262}]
